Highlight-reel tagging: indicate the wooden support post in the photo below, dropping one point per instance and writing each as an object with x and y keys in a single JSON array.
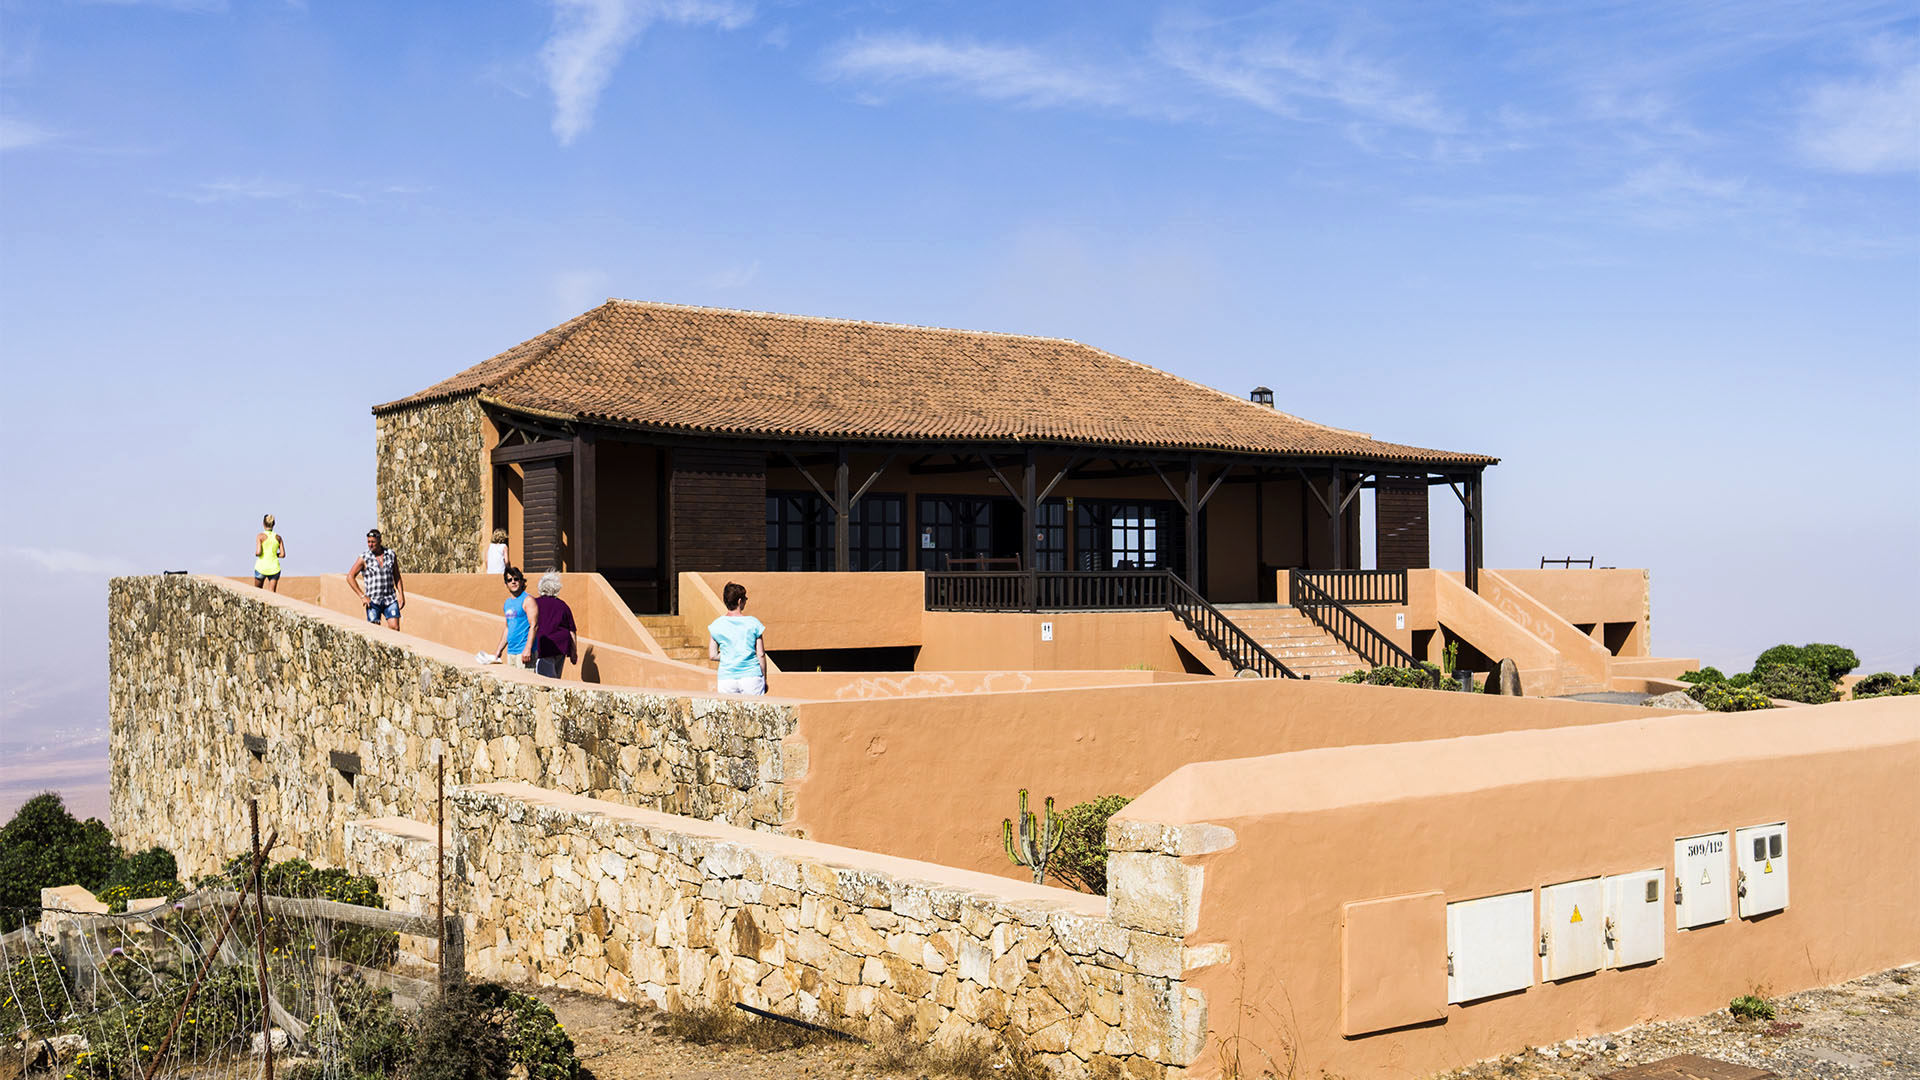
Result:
[
  {"x": 260, "y": 941},
  {"x": 440, "y": 856},
  {"x": 1337, "y": 518},
  {"x": 586, "y": 506},
  {"x": 843, "y": 514},
  {"x": 1193, "y": 523},
  {"x": 665, "y": 598},
  {"x": 1030, "y": 517},
  {"x": 1476, "y": 538}
]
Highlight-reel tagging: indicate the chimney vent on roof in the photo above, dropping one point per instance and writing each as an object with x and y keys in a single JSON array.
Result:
[{"x": 1261, "y": 396}]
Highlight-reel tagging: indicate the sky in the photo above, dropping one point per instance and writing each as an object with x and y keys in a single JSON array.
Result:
[{"x": 1662, "y": 259}]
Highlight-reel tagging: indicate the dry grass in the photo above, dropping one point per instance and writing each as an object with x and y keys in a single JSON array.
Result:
[
  {"x": 708, "y": 1025},
  {"x": 901, "y": 1048}
]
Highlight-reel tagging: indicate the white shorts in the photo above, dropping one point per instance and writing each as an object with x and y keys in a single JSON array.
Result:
[{"x": 750, "y": 684}]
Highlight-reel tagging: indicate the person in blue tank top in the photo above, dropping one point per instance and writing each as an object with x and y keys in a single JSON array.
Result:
[
  {"x": 519, "y": 611},
  {"x": 739, "y": 642}
]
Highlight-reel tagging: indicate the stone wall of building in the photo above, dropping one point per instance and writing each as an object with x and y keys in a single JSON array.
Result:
[
  {"x": 428, "y": 485},
  {"x": 635, "y": 904},
  {"x": 195, "y": 665}
]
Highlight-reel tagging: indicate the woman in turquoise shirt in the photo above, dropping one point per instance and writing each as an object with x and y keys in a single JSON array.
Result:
[{"x": 739, "y": 642}]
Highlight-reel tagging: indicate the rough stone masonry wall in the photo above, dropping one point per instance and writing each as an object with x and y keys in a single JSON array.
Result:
[
  {"x": 427, "y": 482},
  {"x": 632, "y": 904},
  {"x": 194, "y": 664}
]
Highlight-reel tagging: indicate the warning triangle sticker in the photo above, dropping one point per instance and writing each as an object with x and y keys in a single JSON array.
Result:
[
  {"x": 1769, "y": 868},
  {"x": 1706, "y": 877},
  {"x": 1576, "y": 914}
]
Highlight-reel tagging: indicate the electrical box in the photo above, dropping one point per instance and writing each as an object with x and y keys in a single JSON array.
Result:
[
  {"x": 1573, "y": 929},
  {"x": 1490, "y": 946},
  {"x": 1046, "y": 631},
  {"x": 1636, "y": 917},
  {"x": 1702, "y": 885},
  {"x": 1761, "y": 853}
]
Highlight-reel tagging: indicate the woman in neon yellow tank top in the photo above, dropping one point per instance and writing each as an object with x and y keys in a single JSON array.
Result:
[{"x": 268, "y": 550}]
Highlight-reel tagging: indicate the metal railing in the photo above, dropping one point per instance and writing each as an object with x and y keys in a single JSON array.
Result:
[
  {"x": 1332, "y": 616},
  {"x": 1359, "y": 586},
  {"x": 1566, "y": 563},
  {"x": 1223, "y": 634}
]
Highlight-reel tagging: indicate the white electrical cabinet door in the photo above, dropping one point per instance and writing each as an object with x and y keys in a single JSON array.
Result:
[
  {"x": 1636, "y": 918},
  {"x": 1573, "y": 929},
  {"x": 1761, "y": 853},
  {"x": 1489, "y": 946},
  {"x": 1702, "y": 886}
]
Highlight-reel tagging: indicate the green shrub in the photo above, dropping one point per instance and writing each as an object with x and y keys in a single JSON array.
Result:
[
  {"x": 1751, "y": 1007},
  {"x": 222, "y": 1021},
  {"x": 45, "y": 846},
  {"x": 1424, "y": 677},
  {"x": 535, "y": 1040},
  {"x": 1704, "y": 675},
  {"x": 1082, "y": 858},
  {"x": 34, "y": 996},
  {"x": 299, "y": 878},
  {"x": 1831, "y": 661},
  {"x": 458, "y": 1039},
  {"x": 1726, "y": 697},
  {"x": 1744, "y": 678},
  {"x": 142, "y": 867},
  {"x": 1885, "y": 684},
  {"x": 364, "y": 1032},
  {"x": 1791, "y": 682}
]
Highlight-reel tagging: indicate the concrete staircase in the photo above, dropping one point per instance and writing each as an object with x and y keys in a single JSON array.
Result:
[
  {"x": 1295, "y": 640},
  {"x": 680, "y": 642}
]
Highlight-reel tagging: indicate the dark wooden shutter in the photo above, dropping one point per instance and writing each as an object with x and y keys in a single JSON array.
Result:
[
  {"x": 540, "y": 523},
  {"x": 1400, "y": 523},
  {"x": 719, "y": 510}
]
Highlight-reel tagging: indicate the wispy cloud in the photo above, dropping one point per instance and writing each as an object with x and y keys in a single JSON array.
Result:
[
  {"x": 18, "y": 134},
  {"x": 264, "y": 189},
  {"x": 242, "y": 189},
  {"x": 1288, "y": 75},
  {"x": 201, "y": 6},
  {"x": 1872, "y": 124},
  {"x": 62, "y": 561},
  {"x": 1011, "y": 74},
  {"x": 589, "y": 37},
  {"x": 737, "y": 276}
]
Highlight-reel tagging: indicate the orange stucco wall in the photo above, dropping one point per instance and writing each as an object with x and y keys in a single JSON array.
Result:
[
  {"x": 933, "y": 776},
  {"x": 848, "y": 686},
  {"x": 818, "y": 611},
  {"x": 1486, "y": 815},
  {"x": 970, "y": 641}
]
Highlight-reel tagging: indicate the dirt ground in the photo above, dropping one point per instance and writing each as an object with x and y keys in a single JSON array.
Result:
[{"x": 1868, "y": 1029}]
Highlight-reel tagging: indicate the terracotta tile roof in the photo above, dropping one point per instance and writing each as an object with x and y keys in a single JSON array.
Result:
[{"x": 713, "y": 371}]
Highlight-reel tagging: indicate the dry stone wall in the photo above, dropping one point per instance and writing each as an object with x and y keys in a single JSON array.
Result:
[
  {"x": 629, "y": 903},
  {"x": 196, "y": 665},
  {"x": 427, "y": 480}
]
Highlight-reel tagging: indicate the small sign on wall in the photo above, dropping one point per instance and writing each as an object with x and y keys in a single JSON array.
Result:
[{"x": 1046, "y": 631}]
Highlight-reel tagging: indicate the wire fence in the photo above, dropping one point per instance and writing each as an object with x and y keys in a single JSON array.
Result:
[{"x": 223, "y": 981}]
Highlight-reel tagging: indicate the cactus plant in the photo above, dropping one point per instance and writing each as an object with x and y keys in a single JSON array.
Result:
[{"x": 1038, "y": 838}]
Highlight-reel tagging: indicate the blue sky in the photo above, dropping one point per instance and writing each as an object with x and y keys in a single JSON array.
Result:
[{"x": 1662, "y": 258}]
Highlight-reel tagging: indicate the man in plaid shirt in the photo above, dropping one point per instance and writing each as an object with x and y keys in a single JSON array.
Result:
[{"x": 376, "y": 577}]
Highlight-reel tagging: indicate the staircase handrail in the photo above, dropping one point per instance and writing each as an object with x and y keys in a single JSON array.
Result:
[
  {"x": 1349, "y": 629},
  {"x": 1222, "y": 634}
]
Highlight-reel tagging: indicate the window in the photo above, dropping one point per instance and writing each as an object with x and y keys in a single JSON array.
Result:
[
  {"x": 1144, "y": 535},
  {"x": 800, "y": 530}
]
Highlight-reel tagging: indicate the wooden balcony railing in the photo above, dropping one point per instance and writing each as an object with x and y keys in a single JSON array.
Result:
[
  {"x": 1332, "y": 616},
  {"x": 1358, "y": 586},
  {"x": 1109, "y": 590}
]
